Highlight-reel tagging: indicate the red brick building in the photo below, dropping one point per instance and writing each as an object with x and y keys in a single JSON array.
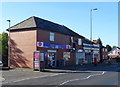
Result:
[
  {"x": 92, "y": 51},
  {"x": 36, "y": 34},
  {"x": 104, "y": 53},
  {"x": 56, "y": 44}
]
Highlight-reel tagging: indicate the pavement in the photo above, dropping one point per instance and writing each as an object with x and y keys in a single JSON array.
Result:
[
  {"x": 88, "y": 66},
  {"x": 1, "y": 78}
]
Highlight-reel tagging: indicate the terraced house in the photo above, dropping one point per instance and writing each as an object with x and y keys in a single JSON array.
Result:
[{"x": 54, "y": 44}]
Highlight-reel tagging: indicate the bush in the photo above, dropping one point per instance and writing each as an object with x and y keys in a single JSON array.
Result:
[
  {"x": 5, "y": 60},
  {"x": 117, "y": 59}
]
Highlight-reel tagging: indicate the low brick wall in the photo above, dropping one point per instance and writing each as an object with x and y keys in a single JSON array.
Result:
[{"x": 114, "y": 56}]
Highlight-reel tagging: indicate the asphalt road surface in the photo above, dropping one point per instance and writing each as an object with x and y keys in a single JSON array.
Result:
[{"x": 98, "y": 76}]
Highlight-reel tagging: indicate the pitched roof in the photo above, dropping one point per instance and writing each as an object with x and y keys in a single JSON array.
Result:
[
  {"x": 28, "y": 23},
  {"x": 35, "y": 22}
]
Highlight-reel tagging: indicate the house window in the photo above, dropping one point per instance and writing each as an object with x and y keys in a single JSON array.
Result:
[
  {"x": 72, "y": 39},
  {"x": 51, "y": 36},
  {"x": 106, "y": 50},
  {"x": 79, "y": 41},
  {"x": 103, "y": 49},
  {"x": 103, "y": 56}
]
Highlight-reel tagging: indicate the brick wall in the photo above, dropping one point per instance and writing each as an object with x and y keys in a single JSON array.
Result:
[
  {"x": 23, "y": 44},
  {"x": 44, "y": 36}
]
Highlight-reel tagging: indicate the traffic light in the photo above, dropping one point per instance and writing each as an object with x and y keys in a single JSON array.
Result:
[{"x": 73, "y": 47}]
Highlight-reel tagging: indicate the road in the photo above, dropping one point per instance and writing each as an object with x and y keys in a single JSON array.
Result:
[{"x": 107, "y": 75}]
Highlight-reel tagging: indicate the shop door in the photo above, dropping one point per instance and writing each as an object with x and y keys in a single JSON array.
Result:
[
  {"x": 80, "y": 62},
  {"x": 52, "y": 59},
  {"x": 80, "y": 56},
  {"x": 88, "y": 59}
]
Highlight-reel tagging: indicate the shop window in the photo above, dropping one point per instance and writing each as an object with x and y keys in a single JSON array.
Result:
[
  {"x": 51, "y": 36},
  {"x": 79, "y": 41},
  {"x": 103, "y": 56},
  {"x": 66, "y": 56}
]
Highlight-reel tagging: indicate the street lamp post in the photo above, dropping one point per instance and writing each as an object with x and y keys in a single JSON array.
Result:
[
  {"x": 91, "y": 22},
  {"x": 9, "y": 44},
  {"x": 91, "y": 29}
]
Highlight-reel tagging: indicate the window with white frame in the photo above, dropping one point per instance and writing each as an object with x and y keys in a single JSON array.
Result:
[
  {"x": 103, "y": 49},
  {"x": 72, "y": 39},
  {"x": 79, "y": 41},
  {"x": 51, "y": 36},
  {"x": 103, "y": 56},
  {"x": 106, "y": 50}
]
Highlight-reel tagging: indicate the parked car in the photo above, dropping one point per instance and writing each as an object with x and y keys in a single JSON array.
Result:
[{"x": 1, "y": 64}]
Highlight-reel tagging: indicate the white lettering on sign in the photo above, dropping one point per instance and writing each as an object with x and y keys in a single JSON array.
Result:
[
  {"x": 80, "y": 50},
  {"x": 52, "y": 51}
]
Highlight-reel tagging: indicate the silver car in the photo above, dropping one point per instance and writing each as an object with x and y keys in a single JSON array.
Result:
[{"x": 1, "y": 64}]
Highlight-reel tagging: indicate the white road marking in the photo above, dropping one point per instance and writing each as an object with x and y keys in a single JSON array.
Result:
[
  {"x": 95, "y": 75},
  {"x": 68, "y": 81},
  {"x": 55, "y": 75},
  {"x": 29, "y": 78},
  {"x": 52, "y": 75},
  {"x": 83, "y": 78},
  {"x": 24, "y": 79},
  {"x": 32, "y": 78}
]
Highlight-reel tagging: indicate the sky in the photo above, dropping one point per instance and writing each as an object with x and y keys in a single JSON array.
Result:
[
  {"x": 119, "y": 24},
  {"x": 74, "y": 15}
]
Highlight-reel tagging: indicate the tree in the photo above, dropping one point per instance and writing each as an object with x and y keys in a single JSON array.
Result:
[
  {"x": 114, "y": 47},
  {"x": 99, "y": 41},
  {"x": 0, "y": 44},
  {"x": 109, "y": 48},
  {"x": 4, "y": 40},
  {"x": 4, "y": 48},
  {"x": 100, "y": 44}
]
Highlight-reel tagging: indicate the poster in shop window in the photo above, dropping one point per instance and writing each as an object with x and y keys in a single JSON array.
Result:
[
  {"x": 36, "y": 60},
  {"x": 41, "y": 56},
  {"x": 66, "y": 55}
]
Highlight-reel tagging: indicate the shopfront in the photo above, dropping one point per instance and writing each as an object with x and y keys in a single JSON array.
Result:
[
  {"x": 80, "y": 57},
  {"x": 88, "y": 53},
  {"x": 88, "y": 59},
  {"x": 55, "y": 54},
  {"x": 97, "y": 57},
  {"x": 96, "y": 53},
  {"x": 66, "y": 58},
  {"x": 51, "y": 58}
]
